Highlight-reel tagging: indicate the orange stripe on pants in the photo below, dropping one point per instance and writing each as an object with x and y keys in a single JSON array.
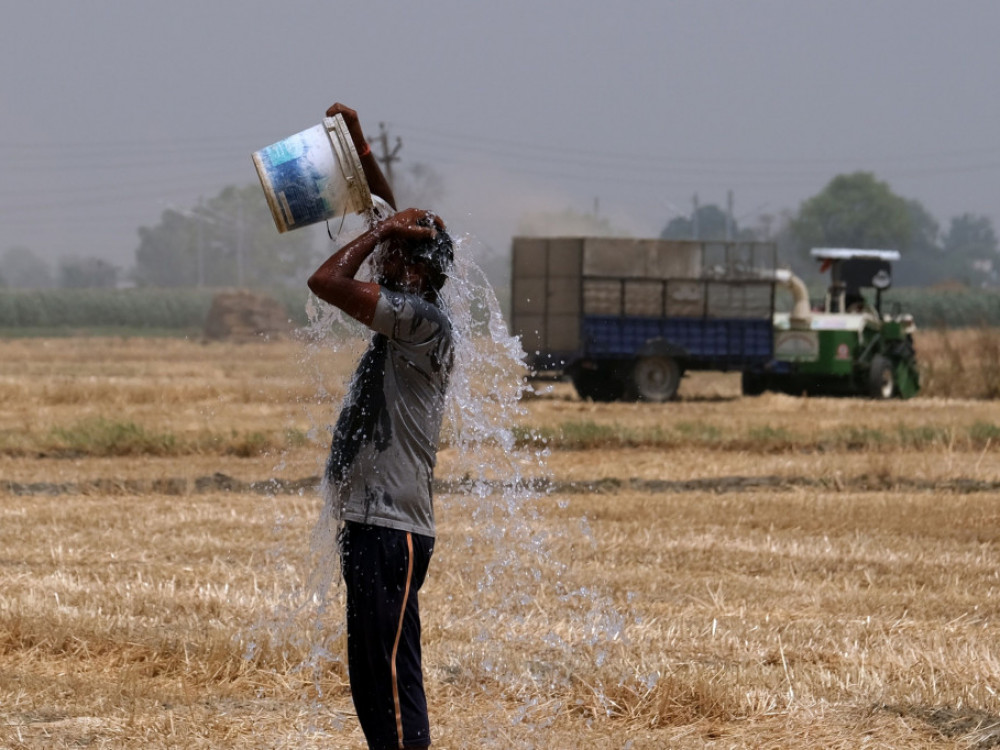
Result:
[{"x": 399, "y": 634}]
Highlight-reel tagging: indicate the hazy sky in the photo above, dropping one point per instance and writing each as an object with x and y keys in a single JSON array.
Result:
[{"x": 115, "y": 111}]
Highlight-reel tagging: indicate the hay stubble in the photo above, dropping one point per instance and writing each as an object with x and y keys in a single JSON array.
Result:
[{"x": 862, "y": 610}]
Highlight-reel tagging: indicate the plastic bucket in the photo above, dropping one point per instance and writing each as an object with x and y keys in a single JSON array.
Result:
[{"x": 313, "y": 176}]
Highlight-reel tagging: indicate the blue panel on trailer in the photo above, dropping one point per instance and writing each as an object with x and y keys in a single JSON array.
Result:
[{"x": 733, "y": 340}]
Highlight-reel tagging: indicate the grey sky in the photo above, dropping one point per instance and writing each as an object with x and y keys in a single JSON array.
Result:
[{"x": 114, "y": 111}]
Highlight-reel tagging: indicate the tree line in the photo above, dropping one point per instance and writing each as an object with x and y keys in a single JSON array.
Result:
[
  {"x": 230, "y": 240},
  {"x": 860, "y": 211},
  {"x": 22, "y": 268}
]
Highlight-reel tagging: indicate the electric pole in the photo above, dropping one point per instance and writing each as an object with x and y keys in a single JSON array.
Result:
[
  {"x": 388, "y": 157},
  {"x": 201, "y": 245},
  {"x": 729, "y": 216},
  {"x": 694, "y": 217},
  {"x": 239, "y": 243}
]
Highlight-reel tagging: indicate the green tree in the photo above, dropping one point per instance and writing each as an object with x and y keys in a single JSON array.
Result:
[
  {"x": 971, "y": 237},
  {"x": 853, "y": 210},
  {"x": 24, "y": 269},
  {"x": 711, "y": 225},
  {"x": 87, "y": 273},
  {"x": 925, "y": 232},
  {"x": 174, "y": 253},
  {"x": 970, "y": 246},
  {"x": 227, "y": 240},
  {"x": 923, "y": 262}
]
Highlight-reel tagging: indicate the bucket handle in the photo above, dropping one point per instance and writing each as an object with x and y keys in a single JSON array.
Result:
[{"x": 343, "y": 217}]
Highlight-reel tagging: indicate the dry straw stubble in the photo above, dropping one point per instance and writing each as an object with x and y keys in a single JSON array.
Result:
[{"x": 860, "y": 610}]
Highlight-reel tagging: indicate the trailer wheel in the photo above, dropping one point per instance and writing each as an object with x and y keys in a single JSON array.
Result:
[
  {"x": 881, "y": 381},
  {"x": 598, "y": 385},
  {"x": 753, "y": 383},
  {"x": 656, "y": 378}
]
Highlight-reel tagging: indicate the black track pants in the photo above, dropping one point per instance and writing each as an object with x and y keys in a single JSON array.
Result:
[{"x": 383, "y": 570}]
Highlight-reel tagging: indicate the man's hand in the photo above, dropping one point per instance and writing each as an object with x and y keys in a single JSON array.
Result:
[
  {"x": 334, "y": 281},
  {"x": 411, "y": 224},
  {"x": 353, "y": 123}
]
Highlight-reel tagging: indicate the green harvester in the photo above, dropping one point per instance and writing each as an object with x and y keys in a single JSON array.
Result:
[{"x": 851, "y": 347}]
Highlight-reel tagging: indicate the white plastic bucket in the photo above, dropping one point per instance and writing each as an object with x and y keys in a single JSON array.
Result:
[{"x": 313, "y": 176}]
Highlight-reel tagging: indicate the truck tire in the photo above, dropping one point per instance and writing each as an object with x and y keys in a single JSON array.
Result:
[
  {"x": 597, "y": 385},
  {"x": 905, "y": 369},
  {"x": 881, "y": 380},
  {"x": 753, "y": 383},
  {"x": 656, "y": 378}
]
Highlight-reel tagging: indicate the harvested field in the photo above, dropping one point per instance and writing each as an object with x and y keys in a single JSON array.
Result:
[{"x": 714, "y": 572}]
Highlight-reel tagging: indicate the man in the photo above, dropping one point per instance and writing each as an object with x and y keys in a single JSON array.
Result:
[{"x": 384, "y": 448}]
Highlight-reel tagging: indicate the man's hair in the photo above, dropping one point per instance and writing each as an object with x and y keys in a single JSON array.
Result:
[{"x": 438, "y": 255}]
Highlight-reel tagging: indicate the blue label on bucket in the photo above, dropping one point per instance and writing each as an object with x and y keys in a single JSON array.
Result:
[
  {"x": 283, "y": 152},
  {"x": 299, "y": 170}
]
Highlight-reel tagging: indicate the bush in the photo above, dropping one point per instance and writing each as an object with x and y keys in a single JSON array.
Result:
[
  {"x": 187, "y": 308},
  {"x": 165, "y": 309},
  {"x": 943, "y": 308}
]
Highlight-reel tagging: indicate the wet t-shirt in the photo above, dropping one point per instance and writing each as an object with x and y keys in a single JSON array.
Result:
[{"x": 384, "y": 447}]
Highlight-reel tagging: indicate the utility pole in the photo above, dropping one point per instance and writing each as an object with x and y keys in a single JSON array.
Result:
[
  {"x": 694, "y": 217},
  {"x": 239, "y": 243},
  {"x": 729, "y": 216},
  {"x": 201, "y": 245},
  {"x": 766, "y": 222},
  {"x": 388, "y": 157}
]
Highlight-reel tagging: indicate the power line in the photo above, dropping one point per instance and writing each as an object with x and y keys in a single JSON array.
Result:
[
  {"x": 561, "y": 164},
  {"x": 548, "y": 150},
  {"x": 533, "y": 150}
]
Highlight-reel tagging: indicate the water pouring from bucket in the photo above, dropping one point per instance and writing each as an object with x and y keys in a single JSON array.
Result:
[
  {"x": 313, "y": 176},
  {"x": 497, "y": 539}
]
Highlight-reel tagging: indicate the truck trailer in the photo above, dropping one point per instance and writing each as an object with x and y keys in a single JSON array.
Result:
[{"x": 623, "y": 319}]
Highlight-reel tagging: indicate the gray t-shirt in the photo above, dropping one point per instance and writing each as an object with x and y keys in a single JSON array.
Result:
[{"x": 384, "y": 445}]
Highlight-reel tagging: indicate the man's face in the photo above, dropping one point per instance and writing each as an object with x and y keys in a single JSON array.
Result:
[{"x": 400, "y": 272}]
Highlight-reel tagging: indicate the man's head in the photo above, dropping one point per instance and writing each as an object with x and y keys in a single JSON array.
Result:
[
  {"x": 437, "y": 254},
  {"x": 417, "y": 266}
]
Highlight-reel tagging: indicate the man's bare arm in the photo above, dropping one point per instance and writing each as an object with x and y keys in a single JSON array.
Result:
[{"x": 334, "y": 281}]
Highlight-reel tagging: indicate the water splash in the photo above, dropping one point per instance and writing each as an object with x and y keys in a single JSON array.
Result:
[{"x": 491, "y": 488}]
